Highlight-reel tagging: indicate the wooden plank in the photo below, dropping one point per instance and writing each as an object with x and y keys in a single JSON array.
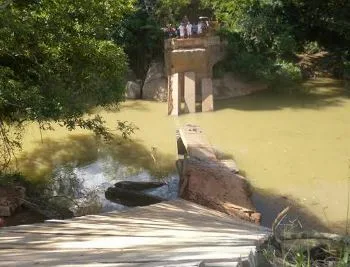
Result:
[
  {"x": 174, "y": 233},
  {"x": 196, "y": 143}
]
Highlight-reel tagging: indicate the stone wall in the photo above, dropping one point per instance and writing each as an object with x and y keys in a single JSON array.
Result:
[
  {"x": 230, "y": 86},
  {"x": 155, "y": 85}
]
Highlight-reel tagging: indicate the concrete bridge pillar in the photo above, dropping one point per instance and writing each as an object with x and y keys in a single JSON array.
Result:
[
  {"x": 174, "y": 95},
  {"x": 186, "y": 82},
  {"x": 207, "y": 95},
  {"x": 190, "y": 92}
]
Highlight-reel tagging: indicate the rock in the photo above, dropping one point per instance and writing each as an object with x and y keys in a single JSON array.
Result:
[
  {"x": 130, "y": 75},
  {"x": 6, "y": 211},
  {"x": 231, "y": 86},
  {"x": 130, "y": 198},
  {"x": 133, "y": 90},
  {"x": 155, "y": 85},
  {"x": 2, "y": 222},
  {"x": 230, "y": 164},
  {"x": 138, "y": 186},
  {"x": 216, "y": 186},
  {"x": 10, "y": 199}
]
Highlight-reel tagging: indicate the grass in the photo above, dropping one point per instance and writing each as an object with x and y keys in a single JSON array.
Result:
[{"x": 307, "y": 253}]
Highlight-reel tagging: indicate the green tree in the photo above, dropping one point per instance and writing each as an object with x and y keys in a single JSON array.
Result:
[
  {"x": 57, "y": 60},
  {"x": 141, "y": 37}
]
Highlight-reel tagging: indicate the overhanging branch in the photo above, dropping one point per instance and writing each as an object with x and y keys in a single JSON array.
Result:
[{"x": 5, "y": 4}]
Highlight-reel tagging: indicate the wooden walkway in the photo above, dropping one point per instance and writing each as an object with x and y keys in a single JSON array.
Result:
[
  {"x": 174, "y": 233},
  {"x": 193, "y": 142}
]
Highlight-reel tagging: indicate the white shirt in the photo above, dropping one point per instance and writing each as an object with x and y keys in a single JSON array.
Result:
[
  {"x": 199, "y": 30},
  {"x": 189, "y": 29},
  {"x": 182, "y": 30}
]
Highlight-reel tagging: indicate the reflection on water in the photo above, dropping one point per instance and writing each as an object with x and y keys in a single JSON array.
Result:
[{"x": 293, "y": 145}]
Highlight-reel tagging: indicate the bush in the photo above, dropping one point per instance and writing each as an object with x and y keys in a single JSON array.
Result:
[
  {"x": 346, "y": 74},
  {"x": 284, "y": 44},
  {"x": 235, "y": 42},
  {"x": 249, "y": 65},
  {"x": 12, "y": 179},
  {"x": 287, "y": 72},
  {"x": 260, "y": 67},
  {"x": 219, "y": 70},
  {"x": 311, "y": 47}
]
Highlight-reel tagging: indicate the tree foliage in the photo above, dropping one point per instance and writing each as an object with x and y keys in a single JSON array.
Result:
[
  {"x": 57, "y": 60},
  {"x": 141, "y": 37},
  {"x": 265, "y": 35}
]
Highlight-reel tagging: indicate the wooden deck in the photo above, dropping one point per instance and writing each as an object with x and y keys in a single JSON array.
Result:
[{"x": 174, "y": 233}]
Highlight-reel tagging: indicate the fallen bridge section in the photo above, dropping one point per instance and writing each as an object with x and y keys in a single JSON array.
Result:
[
  {"x": 174, "y": 233},
  {"x": 209, "y": 181}
]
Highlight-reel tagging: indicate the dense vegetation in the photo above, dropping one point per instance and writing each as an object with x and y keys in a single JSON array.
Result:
[
  {"x": 267, "y": 38},
  {"x": 57, "y": 60},
  {"x": 267, "y": 35}
]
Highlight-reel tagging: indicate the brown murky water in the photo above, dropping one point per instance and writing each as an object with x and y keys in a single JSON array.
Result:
[{"x": 294, "y": 147}]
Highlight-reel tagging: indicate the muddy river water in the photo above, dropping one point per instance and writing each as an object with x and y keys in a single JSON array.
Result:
[{"x": 292, "y": 147}]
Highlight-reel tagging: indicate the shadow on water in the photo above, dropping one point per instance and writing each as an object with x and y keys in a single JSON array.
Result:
[
  {"x": 316, "y": 94},
  {"x": 137, "y": 105},
  {"x": 82, "y": 150},
  {"x": 270, "y": 205},
  {"x": 132, "y": 105}
]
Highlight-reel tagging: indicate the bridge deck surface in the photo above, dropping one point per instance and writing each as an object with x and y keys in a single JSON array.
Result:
[
  {"x": 174, "y": 233},
  {"x": 196, "y": 143}
]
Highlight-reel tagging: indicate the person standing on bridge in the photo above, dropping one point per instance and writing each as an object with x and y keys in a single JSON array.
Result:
[
  {"x": 182, "y": 30},
  {"x": 199, "y": 28},
  {"x": 189, "y": 29}
]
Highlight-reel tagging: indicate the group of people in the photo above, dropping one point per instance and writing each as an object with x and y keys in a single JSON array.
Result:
[{"x": 186, "y": 29}]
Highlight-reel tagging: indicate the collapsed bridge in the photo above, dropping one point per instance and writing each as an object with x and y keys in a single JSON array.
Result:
[{"x": 189, "y": 67}]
